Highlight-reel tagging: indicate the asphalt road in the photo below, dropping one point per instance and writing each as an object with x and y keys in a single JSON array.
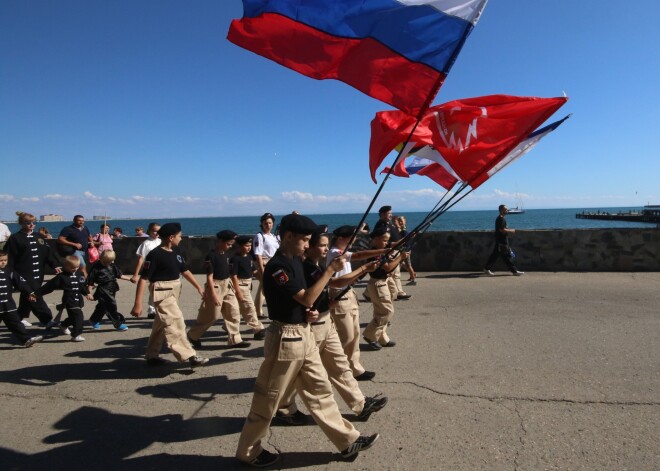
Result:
[{"x": 549, "y": 371}]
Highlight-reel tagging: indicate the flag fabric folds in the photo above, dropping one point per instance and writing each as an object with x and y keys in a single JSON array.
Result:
[
  {"x": 472, "y": 135},
  {"x": 427, "y": 168},
  {"x": 397, "y": 51},
  {"x": 521, "y": 149}
]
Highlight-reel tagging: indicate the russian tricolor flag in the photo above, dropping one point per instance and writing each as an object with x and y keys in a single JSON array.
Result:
[{"x": 397, "y": 51}]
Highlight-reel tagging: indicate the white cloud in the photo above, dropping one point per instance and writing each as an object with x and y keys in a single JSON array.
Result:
[
  {"x": 91, "y": 196},
  {"x": 257, "y": 199},
  {"x": 7, "y": 198},
  {"x": 57, "y": 196}
]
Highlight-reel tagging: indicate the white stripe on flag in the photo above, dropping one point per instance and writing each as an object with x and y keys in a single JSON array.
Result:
[{"x": 469, "y": 10}]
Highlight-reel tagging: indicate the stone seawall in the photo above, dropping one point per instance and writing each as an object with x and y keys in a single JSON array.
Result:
[
  {"x": 543, "y": 250},
  {"x": 536, "y": 250}
]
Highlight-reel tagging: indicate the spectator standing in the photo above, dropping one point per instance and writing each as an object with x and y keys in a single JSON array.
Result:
[
  {"x": 264, "y": 246},
  {"x": 4, "y": 234},
  {"x": 43, "y": 230},
  {"x": 143, "y": 250},
  {"x": 139, "y": 232},
  {"x": 74, "y": 240},
  {"x": 103, "y": 239},
  {"x": 118, "y": 233}
]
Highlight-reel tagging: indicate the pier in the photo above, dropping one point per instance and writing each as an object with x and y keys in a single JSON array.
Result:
[{"x": 650, "y": 214}]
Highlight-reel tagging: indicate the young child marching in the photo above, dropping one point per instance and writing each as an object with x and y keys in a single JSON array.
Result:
[
  {"x": 346, "y": 309},
  {"x": 162, "y": 268},
  {"x": 74, "y": 289},
  {"x": 104, "y": 274},
  {"x": 10, "y": 281},
  {"x": 330, "y": 348},
  {"x": 375, "y": 334},
  {"x": 242, "y": 268}
]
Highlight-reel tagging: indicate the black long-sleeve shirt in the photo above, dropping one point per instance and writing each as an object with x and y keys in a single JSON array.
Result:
[
  {"x": 28, "y": 255},
  {"x": 10, "y": 282},
  {"x": 73, "y": 285}
]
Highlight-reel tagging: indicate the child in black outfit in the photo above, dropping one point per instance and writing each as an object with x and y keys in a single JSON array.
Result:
[
  {"x": 10, "y": 281},
  {"x": 73, "y": 285},
  {"x": 104, "y": 274}
]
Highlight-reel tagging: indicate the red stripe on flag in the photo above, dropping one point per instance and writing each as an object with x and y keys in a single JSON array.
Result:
[{"x": 364, "y": 64}]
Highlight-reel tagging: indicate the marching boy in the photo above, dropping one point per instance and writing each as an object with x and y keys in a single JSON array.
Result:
[
  {"x": 10, "y": 281},
  {"x": 104, "y": 274},
  {"x": 74, "y": 287},
  {"x": 242, "y": 272},
  {"x": 162, "y": 268},
  {"x": 220, "y": 299}
]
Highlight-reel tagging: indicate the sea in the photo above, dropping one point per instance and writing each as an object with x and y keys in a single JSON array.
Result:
[{"x": 449, "y": 221}]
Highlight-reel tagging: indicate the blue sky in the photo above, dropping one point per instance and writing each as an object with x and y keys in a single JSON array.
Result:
[{"x": 143, "y": 108}]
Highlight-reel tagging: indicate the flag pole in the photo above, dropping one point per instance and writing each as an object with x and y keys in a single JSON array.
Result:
[{"x": 420, "y": 115}]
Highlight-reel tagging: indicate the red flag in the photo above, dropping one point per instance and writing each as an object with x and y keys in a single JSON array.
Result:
[
  {"x": 474, "y": 134},
  {"x": 471, "y": 134}
]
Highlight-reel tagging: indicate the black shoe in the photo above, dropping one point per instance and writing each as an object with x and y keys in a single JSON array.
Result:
[
  {"x": 391, "y": 343},
  {"x": 371, "y": 405},
  {"x": 260, "y": 335},
  {"x": 362, "y": 443},
  {"x": 197, "y": 361},
  {"x": 366, "y": 376},
  {"x": 265, "y": 458},
  {"x": 156, "y": 361},
  {"x": 297, "y": 418},
  {"x": 195, "y": 343},
  {"x": 404, "y": 296},
  {"x": 151, "y": 316},
  {"x": 242, "y": 344},
  {"x": 375, "y": 346}
]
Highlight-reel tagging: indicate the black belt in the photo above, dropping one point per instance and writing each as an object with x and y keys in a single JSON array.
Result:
[
  {"x": 342, "y": 299},
  {"x": 317, "y": 323}
]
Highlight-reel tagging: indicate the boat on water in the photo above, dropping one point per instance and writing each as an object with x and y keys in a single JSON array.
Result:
[{"x": 516, "y": 210}]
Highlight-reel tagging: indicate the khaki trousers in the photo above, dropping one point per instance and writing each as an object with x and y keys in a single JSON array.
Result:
[
  {"x": 381, "y": 298},
  {"x": 259, "y": 297},
  {"x": 335, "y": 363},
  {"x": 292, "y": 357},
  {"x": 209, "y": 313},
  {"x": 346, "y": 315},
  {"x": 396, "y": 277},
  {"x": 246, "y": 306},
  {"x": 169, "y": 324}
]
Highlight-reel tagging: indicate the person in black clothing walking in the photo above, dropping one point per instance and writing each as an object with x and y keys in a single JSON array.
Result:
[
  {"x": 502, "y": 248},
  {"x": 28, "y": 255}
]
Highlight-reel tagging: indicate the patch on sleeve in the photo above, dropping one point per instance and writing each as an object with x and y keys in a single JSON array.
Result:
[
  {"x": 281, "y": 277},
  {"x": 146, "y": 265}
]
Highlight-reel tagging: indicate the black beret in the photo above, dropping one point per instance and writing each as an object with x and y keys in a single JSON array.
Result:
[
  {"x": 297, "y": 224},
  {"x": 226, "y": 235},
  {"x": 379, "y": 231},
  {"x": 169, "y": 229},
  {"x": 384, "y": 209},
  {"x": 243, "y": 239},
  {"x": 344, "y": 231}
]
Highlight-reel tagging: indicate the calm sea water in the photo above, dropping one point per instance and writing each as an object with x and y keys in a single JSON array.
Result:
[{"x": 450, "y": 221}]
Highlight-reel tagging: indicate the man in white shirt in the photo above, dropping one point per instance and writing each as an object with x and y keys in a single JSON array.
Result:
[
  {"x": 145, "y": 247},
  {"x": 4, "y": 234},
  {"x": 265, "y": 244}
]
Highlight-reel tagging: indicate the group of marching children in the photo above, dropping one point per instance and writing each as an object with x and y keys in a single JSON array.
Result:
[{"x": 75, "y": 289}]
